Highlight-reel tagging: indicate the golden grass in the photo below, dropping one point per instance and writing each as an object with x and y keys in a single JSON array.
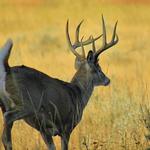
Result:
[{"x": 111, "y": 120}]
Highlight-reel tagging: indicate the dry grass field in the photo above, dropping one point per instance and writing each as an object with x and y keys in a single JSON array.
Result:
[{"x": 112, "y": 118}]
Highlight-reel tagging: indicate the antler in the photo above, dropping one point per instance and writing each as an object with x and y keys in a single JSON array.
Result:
[
  {"x": 78, "y": 43},
  {"x": 106, "y": 45}
]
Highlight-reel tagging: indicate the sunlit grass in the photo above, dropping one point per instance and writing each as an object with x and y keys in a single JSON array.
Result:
[{"x": 112, "y": 118}]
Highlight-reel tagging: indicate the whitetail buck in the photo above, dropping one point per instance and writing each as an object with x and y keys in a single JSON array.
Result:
[{"x": 51, "y": 106}]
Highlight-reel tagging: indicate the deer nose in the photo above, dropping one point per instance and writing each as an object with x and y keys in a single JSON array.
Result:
[{"x": 107, "y": 82}]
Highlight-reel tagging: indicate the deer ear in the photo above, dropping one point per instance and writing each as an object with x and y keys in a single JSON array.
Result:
[{"x": 90, "y": 57}]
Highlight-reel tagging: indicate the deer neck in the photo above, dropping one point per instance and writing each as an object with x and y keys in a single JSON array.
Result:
[{"x": 84, "y": 81}]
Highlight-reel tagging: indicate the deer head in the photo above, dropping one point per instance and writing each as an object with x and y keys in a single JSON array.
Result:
[{"x": 90, "y": 63}]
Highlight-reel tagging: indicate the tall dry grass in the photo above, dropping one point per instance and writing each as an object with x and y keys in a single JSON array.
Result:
[{"x": 112, "y": 118}]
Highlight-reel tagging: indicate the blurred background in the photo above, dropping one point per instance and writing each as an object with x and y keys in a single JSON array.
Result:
[{"x": 112, "y": 120}]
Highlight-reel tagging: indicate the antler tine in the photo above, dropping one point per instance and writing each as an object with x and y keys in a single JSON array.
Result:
[
  {"x": 69, "y": 41},
  {"x": 77, "y": 32},
  {"x": 105, "y": 44},
  {"x": 89, "y": 40},
  {"x": 114, "y": 33},
  {"x": 93, "y": 45},
  {"x": 104, "y": 32},
  {"x": 86, "y": 42},
  {"x": 83, "y": 50}
]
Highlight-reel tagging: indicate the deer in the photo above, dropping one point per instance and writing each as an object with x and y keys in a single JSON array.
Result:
[{"x": 51, "y": 106}]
